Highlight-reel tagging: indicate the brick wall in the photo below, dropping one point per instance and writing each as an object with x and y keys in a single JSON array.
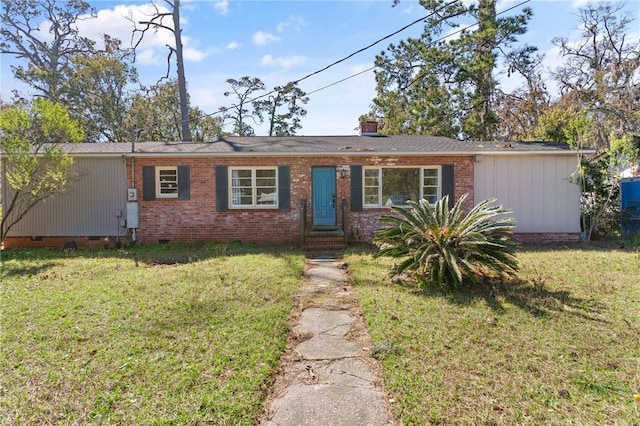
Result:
[
  {"x": 196, "y": 219},
  {"x": 355, "y": 235},
  {"x": 547, "y": 238},
  {"x": 362, "y": 225}
]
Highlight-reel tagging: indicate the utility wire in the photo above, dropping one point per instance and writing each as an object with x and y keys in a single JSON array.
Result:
[
  {"x": 420, "y": 75},
  {"x": 417, "y": 77},
  {"x": 368, "y": 47},
  {"x": 376, "y": 42},
  {"x": 345, "y": 58},
  {"x": 341, "y": 80}
]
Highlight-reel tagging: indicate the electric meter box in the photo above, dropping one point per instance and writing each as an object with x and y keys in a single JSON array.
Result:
[{"x": 133, "y": 218}]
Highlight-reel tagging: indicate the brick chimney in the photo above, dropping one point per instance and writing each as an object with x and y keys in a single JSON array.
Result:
[{"x": 368, "y": 128}]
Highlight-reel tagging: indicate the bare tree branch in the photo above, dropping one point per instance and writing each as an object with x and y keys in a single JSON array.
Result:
[{"x": 156, "y": 23}]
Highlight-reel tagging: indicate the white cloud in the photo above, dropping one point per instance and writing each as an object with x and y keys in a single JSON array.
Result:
[
  {"x": 193, "y": 55},
  {"x": 188, "y": 4},
  {"x": 580, "y": 3},
  {"x": 234, "y": 45},
  {"x": 222, "y": 6},
  {"x": 261, "y": 38},
  {"x": 119, "y": 22},
  {"x": 148, "y": 57},
  {"x": 282, "y": 26},
  {"x": 284, "y": 62},
  {"x": 204, "y": 97},
  {"x": 293, "y": 22}
]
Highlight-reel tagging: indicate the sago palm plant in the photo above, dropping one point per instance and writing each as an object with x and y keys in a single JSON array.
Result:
[{"x": 445, "y": 246}]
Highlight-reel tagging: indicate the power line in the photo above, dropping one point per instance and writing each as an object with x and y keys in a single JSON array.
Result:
[
  {"x": 346, "y": 57},
  {"x": 420, "y": 75},
  {"x": 375, "y": 42},
  {"x": 371, "y": 45},
  {"x": 341, "y": 80},
  {"x": 434, "y": 41}
]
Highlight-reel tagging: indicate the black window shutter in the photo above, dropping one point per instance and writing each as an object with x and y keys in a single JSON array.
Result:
[
  {"x": 222, "y": 189},
  {"x": 356, "y": 188},
  {"x": 184, "y": 184},
  {"x": 284, "y": 188},
  {"x": 448, "y": 183},
  {"x": 148, "y": 183}
]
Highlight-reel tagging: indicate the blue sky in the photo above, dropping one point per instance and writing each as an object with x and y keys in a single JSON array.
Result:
[{"x": 281, "y": 41}]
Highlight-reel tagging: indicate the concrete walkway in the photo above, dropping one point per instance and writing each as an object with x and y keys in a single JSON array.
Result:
[{"x": 327, "y": 376}]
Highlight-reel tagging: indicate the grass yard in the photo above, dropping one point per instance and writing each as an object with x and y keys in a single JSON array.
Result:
[
  {"x": 561, "y": 345},
  {"x": 160, "y": 335}
]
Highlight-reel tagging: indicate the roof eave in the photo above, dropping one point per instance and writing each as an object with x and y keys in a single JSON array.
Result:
[
  {"x": 352, "y": 153},
  {"x": 349, "y": 153}
]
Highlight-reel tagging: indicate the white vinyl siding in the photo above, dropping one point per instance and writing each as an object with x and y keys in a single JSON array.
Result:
[
  {"x": 537, "y": 188},
  {"x": 90, "y": 207},
  {"x": 395, "y": 186},
  {"x": 253, "y": 187}
]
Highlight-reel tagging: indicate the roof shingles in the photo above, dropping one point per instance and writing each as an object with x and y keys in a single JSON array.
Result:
[{"x": 316, "y": 145}]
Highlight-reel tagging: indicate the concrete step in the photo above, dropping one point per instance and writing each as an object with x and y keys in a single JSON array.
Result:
[{"x": 324, "y": 240}]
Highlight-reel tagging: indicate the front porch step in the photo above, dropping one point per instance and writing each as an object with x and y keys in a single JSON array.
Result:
[
  {"x": 333, "y": 232},
  {"x": 318, "y": 240}
]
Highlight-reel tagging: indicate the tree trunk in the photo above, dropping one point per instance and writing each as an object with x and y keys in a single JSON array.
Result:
[
  {"x": 182, "y": 81},
  {"x": 272, "y": 114},
  {"x": 486, "y": 63}
]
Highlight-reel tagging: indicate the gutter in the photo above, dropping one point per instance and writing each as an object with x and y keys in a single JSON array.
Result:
[{"x": 326, "y": 154}]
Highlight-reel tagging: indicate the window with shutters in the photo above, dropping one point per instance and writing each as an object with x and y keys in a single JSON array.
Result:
[
  {"x": 253, "y": 187},
  {"x": 395, "y": 186},
  {"x": 167, "y": 182}
]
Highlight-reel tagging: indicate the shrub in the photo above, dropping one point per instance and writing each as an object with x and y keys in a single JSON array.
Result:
[{"x": 444, "y": 246}]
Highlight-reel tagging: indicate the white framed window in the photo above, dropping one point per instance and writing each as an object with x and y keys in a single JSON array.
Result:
[
  {"x": 255, "y": 187},
  {"x": 395, "y": 186},
  {"x": 167, "y": 182},
  {"x": 431, "y": 183}
]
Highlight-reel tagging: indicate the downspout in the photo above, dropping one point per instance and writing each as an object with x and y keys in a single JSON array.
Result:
[
  {"x": 2, "y": 186},
  {"x": 133, "y": 164},
  {"x": 133, "y": 182}
]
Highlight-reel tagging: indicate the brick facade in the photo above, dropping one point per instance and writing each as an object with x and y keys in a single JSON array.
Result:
[
  {"x": 527, "y": 176},
  {"x": 197, "y": 219},
  {"x": 547, "y": 238}
]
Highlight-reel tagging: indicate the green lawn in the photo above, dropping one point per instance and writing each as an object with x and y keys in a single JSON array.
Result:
[
  {"x": 158, "y": 335},
  {"x": 561, "y": 345},
  {"x": 192, "y": 335}
]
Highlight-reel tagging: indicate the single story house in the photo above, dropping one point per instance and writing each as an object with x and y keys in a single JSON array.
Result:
[{"x": 313, "y": 191}]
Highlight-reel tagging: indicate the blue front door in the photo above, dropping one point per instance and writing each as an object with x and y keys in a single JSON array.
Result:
[{"x": 324, "y": 196}]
